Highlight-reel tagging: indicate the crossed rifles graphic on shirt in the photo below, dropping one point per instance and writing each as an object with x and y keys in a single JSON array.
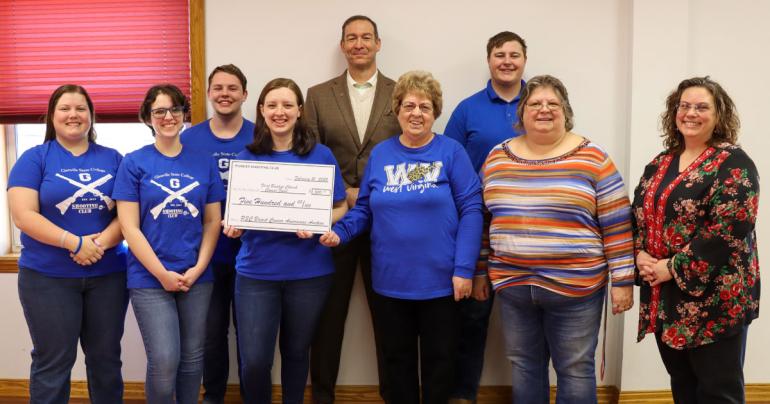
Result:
[
  {"x": 174, "y": 195},
  {"x": 84, "y": 189}
]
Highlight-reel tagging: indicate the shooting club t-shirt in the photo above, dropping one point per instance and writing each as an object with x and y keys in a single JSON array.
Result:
[
  {"x": 74, "y": 194},
  {"x": 172, "y": 193},
  {"x": 201, "y": 137}
]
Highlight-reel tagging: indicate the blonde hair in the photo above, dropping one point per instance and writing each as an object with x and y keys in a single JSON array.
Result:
[{"x": 421, "y": 82}]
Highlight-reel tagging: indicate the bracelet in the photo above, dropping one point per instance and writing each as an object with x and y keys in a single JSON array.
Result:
[
  {"x": 80, "y": 244},
  {"x": 63, "y": 238},
  {"x": 670, "y": 267}
]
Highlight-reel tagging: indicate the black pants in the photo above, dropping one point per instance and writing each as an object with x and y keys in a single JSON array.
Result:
[
  {"x": 473, "y": 324},
  {"x": 216, "y": 356},
  {"x": 417, "y": 334},
  {"x": 327, "y": 344},
  {"x": 711, "y": 373}
]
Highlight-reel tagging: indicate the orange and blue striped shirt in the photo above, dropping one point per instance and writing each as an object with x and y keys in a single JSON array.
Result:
[{"x": 561, "y": 224}]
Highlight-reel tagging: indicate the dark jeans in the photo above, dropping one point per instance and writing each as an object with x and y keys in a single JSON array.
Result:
[
  {"x": 473, "y": 322},
  {"x": 327, "y": 344},
  {"x": 417, "y": 335},
  {"x": 711, "y": 373},
  {"x": 216, "y": 351},
  {"x": 173, "y": 328},
  {"x": 264, "y": 307},
  {"x": 59, "y": 311},
  {"x": 539, "y": 325}
]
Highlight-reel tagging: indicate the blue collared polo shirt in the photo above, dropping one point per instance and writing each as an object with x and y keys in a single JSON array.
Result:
[{"x": 482, "y": 121}]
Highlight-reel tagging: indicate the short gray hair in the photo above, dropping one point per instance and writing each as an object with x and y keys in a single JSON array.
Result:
[{"x": 557, "y": 86}]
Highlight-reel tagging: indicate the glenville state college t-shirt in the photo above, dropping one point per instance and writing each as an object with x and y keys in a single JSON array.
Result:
[
  {"x": 74, "y": 194},
  {"x": 172, "y": 193}
]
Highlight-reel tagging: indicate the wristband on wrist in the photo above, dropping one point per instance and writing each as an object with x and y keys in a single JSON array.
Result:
[
  {"x": 63, "y": 238},
  {"x": 80, "y": 244},
  {"x": 670, "y": 267}
]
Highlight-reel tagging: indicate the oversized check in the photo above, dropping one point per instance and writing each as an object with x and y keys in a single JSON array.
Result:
[{"x": 280, "y": 196}]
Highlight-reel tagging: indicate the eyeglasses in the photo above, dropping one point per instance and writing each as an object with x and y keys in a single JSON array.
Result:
[
  {"x": 424, "y": 108},
  {"x": 684, "y": 107},
  {"x": 551, "y": 106},
  {"x": 160, "y": 113}
]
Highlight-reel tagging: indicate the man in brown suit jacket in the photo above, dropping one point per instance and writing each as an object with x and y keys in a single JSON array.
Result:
[{"x": 350, "y": 114}]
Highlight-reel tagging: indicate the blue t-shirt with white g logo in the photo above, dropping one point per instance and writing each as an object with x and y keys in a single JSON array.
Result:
[
  {"x": 74, "y": 193},
  {"x": 172, "y": 193},
  {"x": 201, "y": 137}
]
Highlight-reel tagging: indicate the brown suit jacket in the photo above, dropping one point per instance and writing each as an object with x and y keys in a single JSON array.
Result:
[{"x": 329, "y": 116}]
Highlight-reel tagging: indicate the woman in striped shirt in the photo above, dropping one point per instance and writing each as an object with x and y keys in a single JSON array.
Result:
[{"x": 560, "y": 225}]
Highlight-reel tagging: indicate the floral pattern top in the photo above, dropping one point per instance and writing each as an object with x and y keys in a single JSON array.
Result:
[{"x": 703, "y": 221}]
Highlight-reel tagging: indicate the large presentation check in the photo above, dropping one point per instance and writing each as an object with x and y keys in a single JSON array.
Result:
[{"x": 280, "y": 196}]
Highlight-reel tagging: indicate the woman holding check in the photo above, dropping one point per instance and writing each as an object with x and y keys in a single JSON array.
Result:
[{"x": 282, "y": 278}]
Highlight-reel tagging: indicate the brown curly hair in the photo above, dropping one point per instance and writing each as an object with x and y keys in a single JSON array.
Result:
[{"x": 727, "y": 126}]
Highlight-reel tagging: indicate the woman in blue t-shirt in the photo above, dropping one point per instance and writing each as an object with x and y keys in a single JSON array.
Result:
[
  {"x": 72, "y": 280},
  {"x": 168, "y": 199},
  {"x": 282, "y": 278}
]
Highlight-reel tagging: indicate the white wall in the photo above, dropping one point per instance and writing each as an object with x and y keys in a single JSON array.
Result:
[
  {"x": 618, "y": 58},
  {"x": 698, "y": 37},
  {"x": 300, "y": 40}
]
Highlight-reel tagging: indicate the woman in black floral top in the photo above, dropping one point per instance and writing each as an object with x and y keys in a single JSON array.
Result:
[{"x": 696, "y": 250}]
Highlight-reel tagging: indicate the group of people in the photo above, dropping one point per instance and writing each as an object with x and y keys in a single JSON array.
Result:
[{"x": 509, "y": 203}]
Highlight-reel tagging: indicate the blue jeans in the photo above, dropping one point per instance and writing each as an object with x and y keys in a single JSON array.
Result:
[
  {"x": 473, "y": 319},
  {"x": 262, "y": 307},
  {"x": 59, "y": 311},
  {"x": 538, "y": 325},
  {"x": 216, "y": 351},
  {"x": 173, "y": 328}
]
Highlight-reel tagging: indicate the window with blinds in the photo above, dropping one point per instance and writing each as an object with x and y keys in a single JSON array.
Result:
[{"x": 116, "y": 49}]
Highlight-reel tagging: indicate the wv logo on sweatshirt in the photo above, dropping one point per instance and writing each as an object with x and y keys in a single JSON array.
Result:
[{"x": 412, "y": 177}]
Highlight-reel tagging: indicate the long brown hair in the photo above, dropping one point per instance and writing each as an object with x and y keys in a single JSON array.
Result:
[
  {"x": 302, "y": 141},
  {"x": 50, "y": 131}
]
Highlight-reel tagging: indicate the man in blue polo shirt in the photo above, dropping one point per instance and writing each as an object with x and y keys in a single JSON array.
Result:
[
  {"x": 223, "y": 136},
  {"x": 480, "y": 122}
]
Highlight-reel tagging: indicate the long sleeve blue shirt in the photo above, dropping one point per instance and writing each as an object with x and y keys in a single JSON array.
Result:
[{"x": 423, "y": 207}]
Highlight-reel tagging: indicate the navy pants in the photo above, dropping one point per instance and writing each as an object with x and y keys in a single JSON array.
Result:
[
  {"x": 263, "y": 307},
  {"x": 216, "y": 351},
  {"x": 61, "y": 311}
]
